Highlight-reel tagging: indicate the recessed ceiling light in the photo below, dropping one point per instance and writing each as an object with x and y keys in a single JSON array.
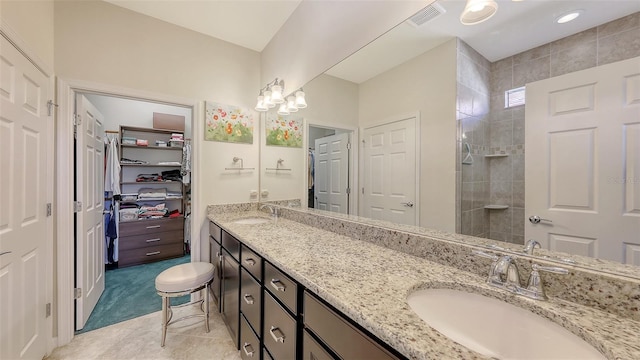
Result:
[{"x": 568, "y": 16}]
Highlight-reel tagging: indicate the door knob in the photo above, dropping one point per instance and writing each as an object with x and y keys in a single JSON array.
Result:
[
  {"x": 407, "y": 204},
  {"x": 535, "y": 219}
]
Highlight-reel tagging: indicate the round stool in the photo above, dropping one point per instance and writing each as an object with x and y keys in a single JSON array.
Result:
[{"x": 180, "y": 280}]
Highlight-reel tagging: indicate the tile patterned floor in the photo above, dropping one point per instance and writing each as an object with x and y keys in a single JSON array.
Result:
[{"x": 139, "y": 338}]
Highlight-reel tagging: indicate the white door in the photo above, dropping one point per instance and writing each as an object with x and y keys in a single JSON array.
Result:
[
  {"x": 90, "y": 235},
  {"x": 331, "y": 185},
  {"x": 583, "y": 162},
  {"x": 24, "y": 228},
  {"x": 390, "y": 172}
]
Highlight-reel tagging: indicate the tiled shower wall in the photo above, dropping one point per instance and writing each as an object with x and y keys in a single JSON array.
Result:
[{"x": 504, "y": 128}]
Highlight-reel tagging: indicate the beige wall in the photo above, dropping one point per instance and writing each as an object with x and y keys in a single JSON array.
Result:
[
  {"x": 102, "y": 43},
  {"x": 32, "y": 22},
  {"x": 428, "y": 85}
]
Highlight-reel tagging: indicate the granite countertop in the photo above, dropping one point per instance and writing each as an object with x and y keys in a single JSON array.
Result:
[{"x": 370, "y": 284}]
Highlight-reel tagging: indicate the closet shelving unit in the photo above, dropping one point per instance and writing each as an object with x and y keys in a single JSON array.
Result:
[{"x": 148, "y": 240}]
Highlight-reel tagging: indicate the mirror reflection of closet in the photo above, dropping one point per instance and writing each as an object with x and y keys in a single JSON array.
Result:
[{"x": 329, "y": 168}]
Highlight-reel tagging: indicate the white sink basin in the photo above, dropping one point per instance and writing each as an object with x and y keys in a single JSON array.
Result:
[
  {"x": 495, "y": 328},
  {"x": 252, "y": 220}
]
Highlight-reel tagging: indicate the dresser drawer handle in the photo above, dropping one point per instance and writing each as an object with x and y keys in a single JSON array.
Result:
[
  {"x": 250, "y": 261},
  {"x": 153, "y": 253},
  {"x": 248, "y": 352},
  {"x": 153, "y": 240},
  {"x": 278, "y": 285},
  {"x": 279, "y": 337},
  {"x": 248, "y": 299},
  {"x": 153, "y": 226}
]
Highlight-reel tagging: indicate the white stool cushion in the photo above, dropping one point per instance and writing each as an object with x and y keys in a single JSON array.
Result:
[{"x": 184, "y": 277}]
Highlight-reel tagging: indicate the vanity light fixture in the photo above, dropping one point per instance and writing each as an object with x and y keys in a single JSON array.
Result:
[
  {"x": 570, "y": 16},
  {"x": 272, "y": 94},
  {"x": 477, "y": 11}
]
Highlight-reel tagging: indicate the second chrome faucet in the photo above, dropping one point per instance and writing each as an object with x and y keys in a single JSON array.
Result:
[{"x": 504, "y": 274}]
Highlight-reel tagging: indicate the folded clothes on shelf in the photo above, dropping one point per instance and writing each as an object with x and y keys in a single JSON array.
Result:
[
  {"x": 153, "y": 211},
  {"x": 130, "y": 161},
  {"x": 149, "y": 193},
  {"x": 172, "y": 175},
  {"x": 149, "y": 177}
]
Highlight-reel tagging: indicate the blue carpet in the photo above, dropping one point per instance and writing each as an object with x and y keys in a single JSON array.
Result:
[{"x": 129, "y": 293}]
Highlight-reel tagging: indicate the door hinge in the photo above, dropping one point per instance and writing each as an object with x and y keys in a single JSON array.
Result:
[
  {"x": 348, "y": 191},
  {"x": 49, "y": 210},
  {"x": 77, "y": 293},
  {"x": 77, "y": 120},
  {"x": 47, "y": 310},
  {"x": 50, "y": 106},
  {"x": 348, "y": 146},
  {"x": 362, "y": 191},
  {"x": 77, "y": 206}
]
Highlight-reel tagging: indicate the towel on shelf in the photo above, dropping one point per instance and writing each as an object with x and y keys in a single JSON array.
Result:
[{"x": 149, "y": 193}]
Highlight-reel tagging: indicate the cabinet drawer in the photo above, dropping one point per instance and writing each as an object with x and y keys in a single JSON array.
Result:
[
  {"x": 215, "y": 231},
  {"x": 142, "y": 227},
  {"x": 249, "y": 344},
  {"x": 150, "y": 254},
  {"x": 252, "y": 262},
  {"x": 279, "y": 335},
  {"x": 232, "y": 245},
  {"x": 280, "y": 285},
  {"x": 151, "y": 239},
  {"x": 311, "y": 350},
  {"x": 343, "y": 338},
  {"x": 250, "y": 300}
]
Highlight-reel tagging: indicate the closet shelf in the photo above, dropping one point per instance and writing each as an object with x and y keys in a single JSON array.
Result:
[
  {"x": 151, "y": 199},
  {"x": 152, "y": 147},
  {"x": 496, "y": 155},
  {"x": 496, "y": 207},
  {"x": 152, "y": 165},
  {"x": 150, "y": 182}
]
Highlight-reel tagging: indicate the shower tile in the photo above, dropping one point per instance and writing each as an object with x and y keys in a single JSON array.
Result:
[
  {"x": 620, "y": 25},
  {"x": 473, "y": 55},
  {"x": 517, "y": 221},
  {"x": 517, "y": 239},
  {"x": 518, "y": 131},
  {"x": 465, "y": 99},
  {"x": 574, "y": 40},
  {"x": 480, "y": 104},
  {"x": 500, "y": 193},
  {"x": 621, "y": 46},
  {"x": 467, "y": 196},
  {"x": 500, "y": 169},
  {"x": 532, "y": 54},
  {"x": 479, "y": 195},
  {"x": 517, "y": 162},
  {"x": 500, "y": 65},
  {"x": 575, "y": 58},
  {"x": 479, "y": 170},
  {"x": 499, "y": 236},
  {"x": 467, "y": 223},
  {"x": 518, "y": 193},
  {"x": 501, "y": 81},
  {"x": 477, "y": 222},
  {"x": 531, "y": 71},
  {"x": 501, "y": 133}
]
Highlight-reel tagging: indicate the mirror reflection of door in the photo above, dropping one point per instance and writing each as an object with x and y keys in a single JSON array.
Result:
[{"x": 329, "y": 169}]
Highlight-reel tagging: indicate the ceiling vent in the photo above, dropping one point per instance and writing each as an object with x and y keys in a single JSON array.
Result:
[{"x": 425, "y": 15}]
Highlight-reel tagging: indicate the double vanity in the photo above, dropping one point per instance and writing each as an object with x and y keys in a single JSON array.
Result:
[{"x": 298, "y": 284}]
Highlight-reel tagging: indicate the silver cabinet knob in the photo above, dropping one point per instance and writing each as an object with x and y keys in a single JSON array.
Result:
[
  {"x": 407, "y": 204},
  {"x": 535, "y": 219}
]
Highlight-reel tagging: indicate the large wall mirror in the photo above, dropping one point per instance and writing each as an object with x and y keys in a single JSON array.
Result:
[{"x": 424, "y": 108}]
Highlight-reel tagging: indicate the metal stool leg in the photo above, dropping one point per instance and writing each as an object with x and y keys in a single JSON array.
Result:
[
  {"x": 206, "y": 307},
  {"x": 165, "y": 310}
]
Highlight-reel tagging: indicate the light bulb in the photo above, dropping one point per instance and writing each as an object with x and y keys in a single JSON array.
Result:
[
  {"x": 291, "y": 104},
  {"x": 283, "y": 109},
  {"x": 276, "y": 94},
  {"x": 301, "y": 103},
  {"x": 267, "y": 99},
  {"x": 260, "y": 106}
]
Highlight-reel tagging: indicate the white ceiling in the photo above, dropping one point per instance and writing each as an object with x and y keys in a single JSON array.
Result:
[{"x": 517, "y": 26}]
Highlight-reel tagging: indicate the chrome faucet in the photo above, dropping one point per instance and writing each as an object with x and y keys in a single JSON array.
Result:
[
  {"x": 272, "y": 209},
  {"x": 504, "y": 275},
  {"x": 530, "y": 246}
]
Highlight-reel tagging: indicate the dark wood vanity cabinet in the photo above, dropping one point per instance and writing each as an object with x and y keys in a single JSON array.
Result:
[
  {"x": 215, "y": 256},
  {"x": 270, "y": 316}
]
